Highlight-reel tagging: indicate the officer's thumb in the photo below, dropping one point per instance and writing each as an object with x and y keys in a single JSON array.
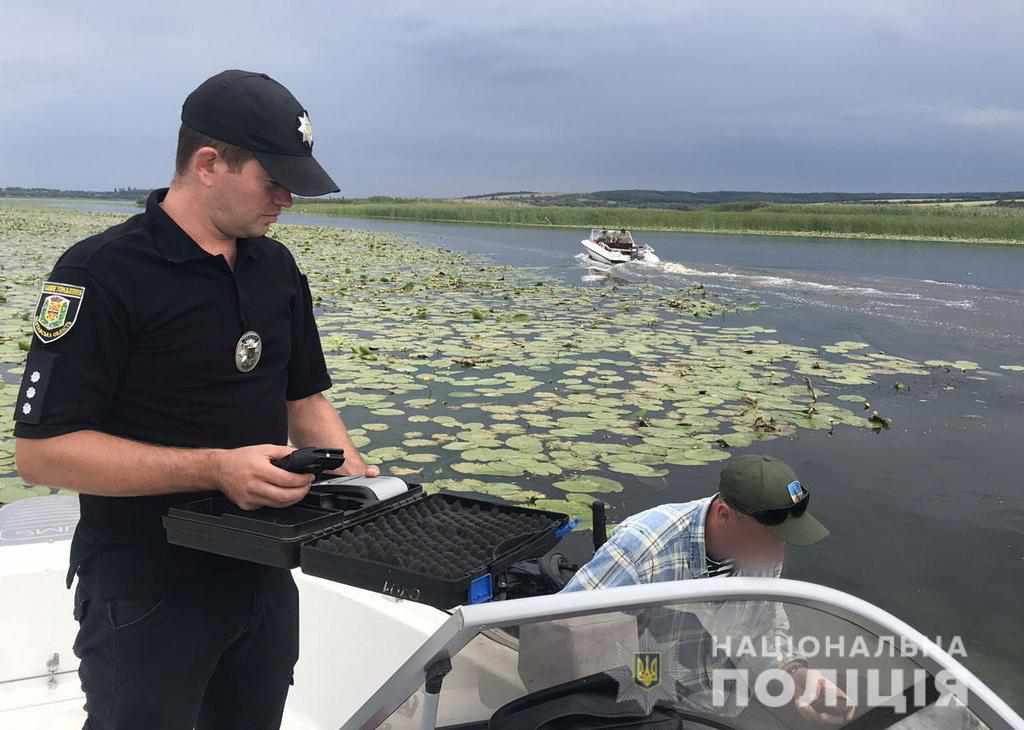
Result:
[{"x": 276, "y": 451}]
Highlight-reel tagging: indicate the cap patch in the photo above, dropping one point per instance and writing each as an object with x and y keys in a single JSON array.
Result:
[
  {"x": 306, "y": 129},
  {"x": 57, "y": 310},
  {"x": 796, "y": 492}
]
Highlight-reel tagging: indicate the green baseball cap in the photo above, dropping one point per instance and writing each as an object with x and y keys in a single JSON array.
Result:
[{"x": 769, "y": 491}]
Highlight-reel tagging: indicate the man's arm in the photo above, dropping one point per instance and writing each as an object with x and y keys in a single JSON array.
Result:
[
  {"x": 97, "y": 463},
  {"x": 812, "y": 687},
  {"x": 313, "y": 421},
  {"x": 613, "y": 565}
]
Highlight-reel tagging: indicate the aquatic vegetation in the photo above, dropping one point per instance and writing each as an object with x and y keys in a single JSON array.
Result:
[
  {"x": 590, "y": 484},
  {"x": 525, "y": 382},
  {"x": 469, "y": 376},
  {"x": 961, "y": 365}
]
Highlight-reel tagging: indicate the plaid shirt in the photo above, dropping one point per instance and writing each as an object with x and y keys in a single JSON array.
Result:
[
  {"x": 667, "y": 543},
  {"x": 662, "y": 543}
]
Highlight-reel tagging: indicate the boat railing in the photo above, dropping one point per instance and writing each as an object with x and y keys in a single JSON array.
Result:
[{"x": 428, "y": 663}]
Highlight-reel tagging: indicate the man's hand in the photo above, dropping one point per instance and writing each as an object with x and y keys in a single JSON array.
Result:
[
  {"x": 313, "y": 421},
  {"x": 248, "y": 479},
  {"x": 356, "y": 467},
  {"x": 818, "y": 699}
]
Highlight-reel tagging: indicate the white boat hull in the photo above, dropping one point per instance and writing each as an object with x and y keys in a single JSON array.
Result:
[
  {"x": 610, "y": 257},
  {"x": 602, "y": 254}
]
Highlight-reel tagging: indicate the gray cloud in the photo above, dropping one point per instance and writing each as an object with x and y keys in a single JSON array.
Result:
[{"x": 465, "y": 97}]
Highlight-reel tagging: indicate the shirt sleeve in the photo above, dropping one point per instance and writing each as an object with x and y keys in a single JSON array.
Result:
[
  {"x": 307, "y": 370},
  {"x": 77, "y": 356},
  {"x": 612, "y": 565}
]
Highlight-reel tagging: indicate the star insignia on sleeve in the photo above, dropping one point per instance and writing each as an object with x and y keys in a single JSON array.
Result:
[{"x": 306, "y": 129}]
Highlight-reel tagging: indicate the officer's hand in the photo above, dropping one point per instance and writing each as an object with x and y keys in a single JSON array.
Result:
[
  {"x": 248, "y": 479},
  {"x": 356, "y": 467}
]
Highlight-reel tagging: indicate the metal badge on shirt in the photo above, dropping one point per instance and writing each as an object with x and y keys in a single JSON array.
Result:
[
  {"x": 248, "y": 351},
  {"x": 57, "y": 310}
]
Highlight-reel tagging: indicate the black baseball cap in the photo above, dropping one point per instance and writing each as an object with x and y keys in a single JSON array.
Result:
[
  {"x": 254, "y": 112},
  {"x": 769, "y": 491}
]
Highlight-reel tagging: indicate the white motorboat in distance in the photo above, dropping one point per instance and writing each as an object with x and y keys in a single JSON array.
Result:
[{"x": 610, "y": 246}]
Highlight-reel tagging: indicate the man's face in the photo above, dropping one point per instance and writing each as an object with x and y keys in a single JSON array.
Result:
[
  {"x": 246, "y": 202},
  {"x": 752, "y": 543}
]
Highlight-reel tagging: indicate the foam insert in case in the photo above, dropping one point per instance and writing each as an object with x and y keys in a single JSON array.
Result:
[{"x": 440, "y": 549}]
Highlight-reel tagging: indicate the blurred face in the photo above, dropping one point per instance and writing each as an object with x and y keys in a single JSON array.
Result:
[
  {"x": 747, "y": 540},
  {"x": 244, "y": 203}
]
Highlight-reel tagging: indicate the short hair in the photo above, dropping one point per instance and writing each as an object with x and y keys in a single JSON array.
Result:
[{"x": 190, "y": 141}]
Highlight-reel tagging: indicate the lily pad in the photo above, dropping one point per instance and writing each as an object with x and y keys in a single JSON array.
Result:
[
  {"x": 588, "y": 484},
  {"x": 640, "y": 470},
  {"x": 529, "y": 444},
  {"x": 421, "y": 458},
  {"x": 402, "y": 471},
  {"x": 488, "y": 468},
  {"x": 385, "y": 453}
]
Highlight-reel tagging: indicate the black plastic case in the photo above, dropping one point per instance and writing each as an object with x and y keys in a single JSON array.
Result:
[
  {"x": 268, "y": 536},
  {"x": 440, "y": 549}
]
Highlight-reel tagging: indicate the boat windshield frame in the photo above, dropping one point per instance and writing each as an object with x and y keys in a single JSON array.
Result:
[{"x": 466, "y": 622}]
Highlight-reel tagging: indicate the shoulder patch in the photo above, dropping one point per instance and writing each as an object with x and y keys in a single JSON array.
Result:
[{"x": 57, "y": 310}]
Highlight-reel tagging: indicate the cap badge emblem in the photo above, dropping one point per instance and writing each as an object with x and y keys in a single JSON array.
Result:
[
  {"x": 796, "y": 491},
  {"x": 248, "y": 351},
  {"x": 306, "y": 129}
]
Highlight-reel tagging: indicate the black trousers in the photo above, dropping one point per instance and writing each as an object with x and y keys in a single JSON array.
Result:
[{"x": 213, "y": 651}]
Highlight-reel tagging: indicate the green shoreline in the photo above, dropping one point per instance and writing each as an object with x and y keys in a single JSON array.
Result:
[
  {"x": 963, "y": 225},
  {"x": 716, "y": 231}
]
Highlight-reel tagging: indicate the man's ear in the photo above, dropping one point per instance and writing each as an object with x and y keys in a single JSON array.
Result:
[
  {"x": 204, "y": 163},
  {"x": 726, "y": 514}
]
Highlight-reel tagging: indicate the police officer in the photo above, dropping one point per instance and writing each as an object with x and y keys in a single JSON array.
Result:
[{"x": 177, "y": 353}]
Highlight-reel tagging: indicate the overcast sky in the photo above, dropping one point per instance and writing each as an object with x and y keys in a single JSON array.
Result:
[{"x": 456, "y": 98}]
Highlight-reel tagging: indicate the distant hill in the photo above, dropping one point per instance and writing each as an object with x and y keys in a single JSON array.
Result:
[
  {"x": 685, "y": 200},
  {"x": 638, "y": 198}
]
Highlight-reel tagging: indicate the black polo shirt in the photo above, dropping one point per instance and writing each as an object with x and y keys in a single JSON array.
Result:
[{"x": 136, "y": 335}]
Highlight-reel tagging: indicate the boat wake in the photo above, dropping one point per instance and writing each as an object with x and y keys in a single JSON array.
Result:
[
  {"x": 944, "y": 305},
  {"x": 793, "y": 284}
]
